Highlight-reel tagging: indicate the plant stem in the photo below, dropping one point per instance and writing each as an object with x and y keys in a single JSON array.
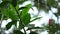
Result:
[
  {"x": 20, "y": 20},
  {"x": 24, "y": 30}
]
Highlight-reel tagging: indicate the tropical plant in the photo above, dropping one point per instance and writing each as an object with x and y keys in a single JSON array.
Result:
[{"x": 9, "y": 9}]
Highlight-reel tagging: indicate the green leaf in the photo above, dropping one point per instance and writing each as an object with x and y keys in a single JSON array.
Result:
[
  {"x": 17, "y": 32},
  {"x": 21, "y": 26},
  {"x": 25, "y": 10},
  {"x": 35, "y": 19},
  {"x": 12, "y": 13},
  {"x": 8, "y": 26},
  {"x": 6, "y": 12},
  {"x": 17, "y": 7},
  {"x": 25, "y": 19},
  {"x": 24, "y": 16}
]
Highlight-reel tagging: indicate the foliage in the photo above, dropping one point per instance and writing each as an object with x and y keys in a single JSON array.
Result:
[{"x": 10, "y": 9}]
